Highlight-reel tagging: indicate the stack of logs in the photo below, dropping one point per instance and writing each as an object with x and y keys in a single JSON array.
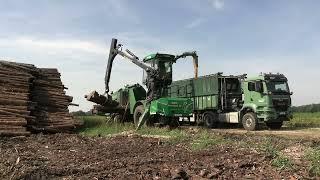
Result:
[
  {"x": 32, "y": 99},
  {"x": 15, "y": 105},
  {"x": 51, "y": 112}
]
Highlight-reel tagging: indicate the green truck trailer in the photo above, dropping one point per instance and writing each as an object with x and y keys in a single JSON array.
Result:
[{"x": 237, "y": 99}]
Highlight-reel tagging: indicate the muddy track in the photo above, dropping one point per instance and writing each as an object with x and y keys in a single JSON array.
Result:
[{"x": 130, "y": 157}]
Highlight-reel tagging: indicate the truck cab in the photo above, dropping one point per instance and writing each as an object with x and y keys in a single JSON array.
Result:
[{"x": 266, "y": 99}]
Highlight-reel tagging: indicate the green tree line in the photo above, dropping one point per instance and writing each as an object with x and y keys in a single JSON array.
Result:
[{"x": 307, "y": 108}]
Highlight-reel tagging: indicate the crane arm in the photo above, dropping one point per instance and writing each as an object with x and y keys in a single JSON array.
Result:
[
  {"x": 194, "y": 55},
  {"x": 112, "y": 55},
  {"x": 135, "y": 60},
  {"x": 115, "y": 49}
]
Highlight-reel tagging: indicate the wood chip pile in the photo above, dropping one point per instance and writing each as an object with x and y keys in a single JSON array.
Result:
[{"x": 32, "y": 100}]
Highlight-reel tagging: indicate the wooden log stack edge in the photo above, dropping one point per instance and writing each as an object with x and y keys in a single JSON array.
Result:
[{"x": 33, "y": 100}]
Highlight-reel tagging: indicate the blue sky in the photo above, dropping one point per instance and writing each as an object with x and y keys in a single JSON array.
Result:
[{"x": 230, "y": 36}]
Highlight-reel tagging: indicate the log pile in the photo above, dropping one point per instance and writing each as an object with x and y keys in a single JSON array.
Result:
[
  {"x": 32, "y": 99},
  {"x": 15, "y": 105},
  {"x": 51, "y": 112}
]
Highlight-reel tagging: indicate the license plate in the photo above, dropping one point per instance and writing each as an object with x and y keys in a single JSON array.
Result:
[{"x": 282, "y": 113}]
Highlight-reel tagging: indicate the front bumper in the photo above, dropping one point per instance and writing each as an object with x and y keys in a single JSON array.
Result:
[{"x": 271, "y": 115}]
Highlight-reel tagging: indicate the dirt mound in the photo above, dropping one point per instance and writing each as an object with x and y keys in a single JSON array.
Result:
[{"x": 122, "y": 157}]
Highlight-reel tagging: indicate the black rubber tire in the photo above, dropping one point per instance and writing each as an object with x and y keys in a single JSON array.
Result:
[
  {"x": 150, "y": 122},
  {"x": 249, "y": 121},
  {"x": 274, "y": 125},
  {"x": 118, "y": 119},
  {"x": 163, "y": 120},
  {"x": 209, "y": 120},
  {"x": 138, "y": 112},
  {"x": 174, "y": 122}
]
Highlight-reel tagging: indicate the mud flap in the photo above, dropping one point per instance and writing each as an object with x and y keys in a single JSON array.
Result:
[{"x": 145, "y": 116}]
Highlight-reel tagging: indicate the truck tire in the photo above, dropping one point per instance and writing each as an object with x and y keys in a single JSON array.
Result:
[
  {"x": 138, "y": 112},
  {"x": 174, "y": 122},
  {"x": 274, "y": 125},
  {"x": 118, "y": 119},
  {"x": 209, "y": 120},
  {"x": 249, "y": 121}
]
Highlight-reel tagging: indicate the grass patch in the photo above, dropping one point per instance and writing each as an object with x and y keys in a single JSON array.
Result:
[
  {"x": 304, "y": 120},
  {"x": 96, "y": 126},
  {"x": 282, "y": 162},
  {"x": 175, "y": 135},
  {"x": 205, "y": 140},
  {"x": 313, "y": 155},
  {"x": 277, "y": 158}
]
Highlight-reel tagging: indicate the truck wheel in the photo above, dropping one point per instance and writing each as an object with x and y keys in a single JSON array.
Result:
[
  {"x": 138, "y": 112},
  {"x": 249, "y": 121},
  {"x": 117, "y": 119},
  {"x": 174, "y": 122},
  {"x": 209, "y": 120},
  {"x": 274, "y": 125}
]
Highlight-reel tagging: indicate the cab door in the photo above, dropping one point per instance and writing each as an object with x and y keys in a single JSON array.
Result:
[{"x": 255, "y": 90}]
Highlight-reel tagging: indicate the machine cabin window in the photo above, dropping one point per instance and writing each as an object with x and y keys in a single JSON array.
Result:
[{"x": 251, "y": 86}]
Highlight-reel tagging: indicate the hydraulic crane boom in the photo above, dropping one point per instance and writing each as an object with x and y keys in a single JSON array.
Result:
[
  {"x": 134, "y": 59},
  {"x": 116, "y": 49},
  {"x": 112, "y": 54}
]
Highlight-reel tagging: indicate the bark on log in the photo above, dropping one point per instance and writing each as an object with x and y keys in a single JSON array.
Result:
[{"x": 33, "y": 97}]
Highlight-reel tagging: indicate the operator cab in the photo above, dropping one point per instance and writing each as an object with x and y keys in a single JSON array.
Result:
[{"x": 163, "y": 64}]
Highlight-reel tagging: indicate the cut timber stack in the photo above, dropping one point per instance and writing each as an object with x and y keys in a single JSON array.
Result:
[
  {"x": 32, "y": 99},
  {"x": 15, "y": 106},
  {"x": 52, "y": 114}
]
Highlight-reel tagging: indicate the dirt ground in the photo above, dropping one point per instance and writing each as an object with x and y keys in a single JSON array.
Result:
[
  {"x": 72, "y": 156},
  {"x": 302, "y": 133}
]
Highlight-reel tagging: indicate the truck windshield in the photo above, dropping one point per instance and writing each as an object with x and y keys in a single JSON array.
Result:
[
  {"x": 278, "y": 86},
  {"x": 165, "y": 67}
]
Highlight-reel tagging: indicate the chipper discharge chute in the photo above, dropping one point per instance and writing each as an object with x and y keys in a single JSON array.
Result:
[{"x": 154, "y": 105}]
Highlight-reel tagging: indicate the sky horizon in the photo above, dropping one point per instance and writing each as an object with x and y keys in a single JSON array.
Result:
[{"x": 233, "y": 37}]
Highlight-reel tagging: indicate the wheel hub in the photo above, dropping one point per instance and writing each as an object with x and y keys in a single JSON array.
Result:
[{"x": 249, "y": 122}]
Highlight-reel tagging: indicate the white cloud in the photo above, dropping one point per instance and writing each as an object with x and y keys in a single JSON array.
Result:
[
  {"x": 217, "y": 4},
  {"x": 195, "y": 23},
  {"x": 65, "y": 45}
]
